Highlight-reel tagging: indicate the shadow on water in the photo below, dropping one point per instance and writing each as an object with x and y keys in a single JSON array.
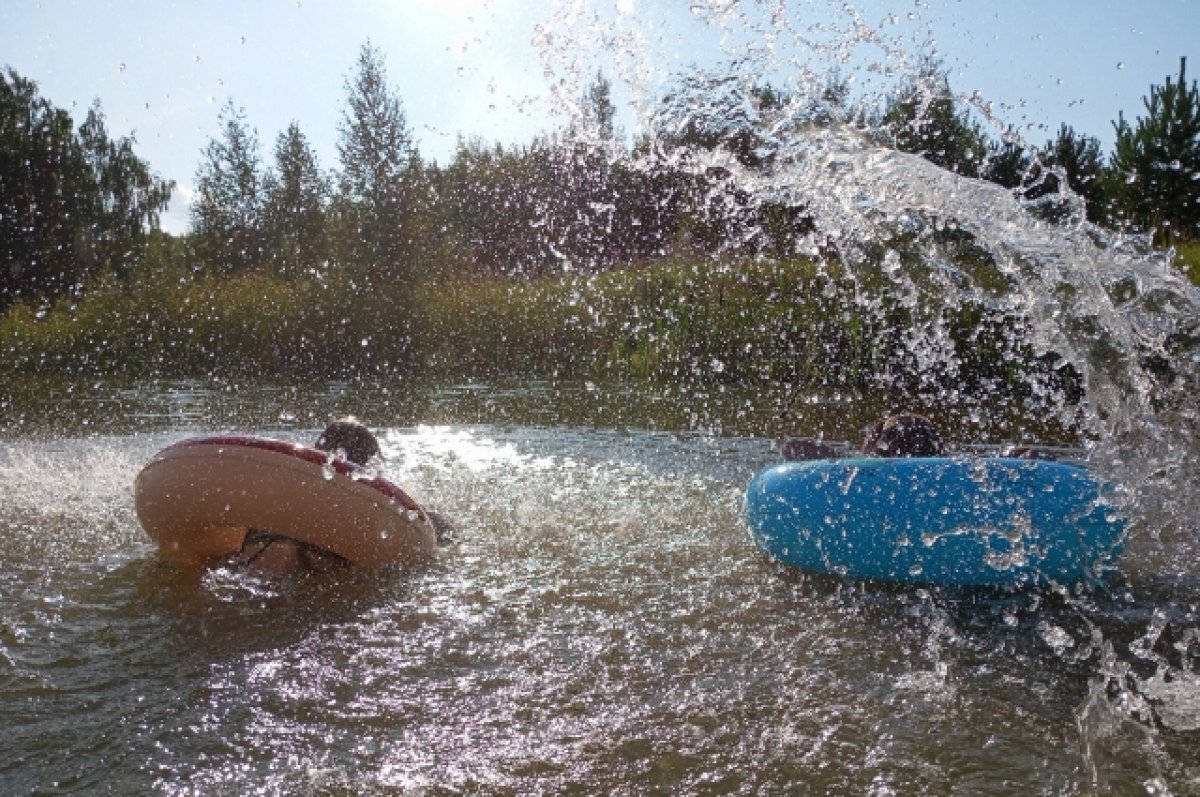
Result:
[{"x": 42, "y": 407}]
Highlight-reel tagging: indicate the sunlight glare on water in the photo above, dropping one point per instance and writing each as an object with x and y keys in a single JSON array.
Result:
[{"x": 601, "y": 620}]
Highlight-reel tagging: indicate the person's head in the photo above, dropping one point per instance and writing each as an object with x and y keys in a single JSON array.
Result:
[
  {"x": 351, "y": 438},
  {"x": 903, "y": 435}
]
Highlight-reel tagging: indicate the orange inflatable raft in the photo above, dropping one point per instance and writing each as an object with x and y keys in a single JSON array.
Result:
[{"x": 198, "y": 497}]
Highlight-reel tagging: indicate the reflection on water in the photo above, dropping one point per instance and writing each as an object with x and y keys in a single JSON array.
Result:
[
  {"x": 602, "y": 625},
  {"x": 40, "y": 406}
]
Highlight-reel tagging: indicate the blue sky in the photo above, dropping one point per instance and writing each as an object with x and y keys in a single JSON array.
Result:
[{"x": 503, "y": 70}]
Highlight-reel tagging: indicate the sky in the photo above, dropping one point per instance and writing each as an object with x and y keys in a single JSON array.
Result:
[{"x": 507, "y": 70}]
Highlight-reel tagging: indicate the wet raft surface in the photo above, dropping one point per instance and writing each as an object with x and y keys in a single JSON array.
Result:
[{"x": 961, "y": 521}]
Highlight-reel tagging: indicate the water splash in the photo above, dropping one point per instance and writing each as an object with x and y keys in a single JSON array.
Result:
[
  {"x": 68, "y": 500},
  {"x": 1101, "y": 303},
  {"x": 1111, "y": 311}
]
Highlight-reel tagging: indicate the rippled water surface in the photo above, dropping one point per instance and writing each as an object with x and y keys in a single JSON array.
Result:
[{"x": 603, "y": 625}]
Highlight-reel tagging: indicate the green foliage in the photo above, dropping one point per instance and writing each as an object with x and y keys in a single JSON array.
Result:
[
  {"x": 73, "y": 205},
  {"x": 1077, "y": 158},
  {"x": 294, "y": 215},
  {"x": 690, "y": 323},
  {"x": 709, "y": 112},
  {"x": 129, "y": 200},
  {"x": 1069, "y": 161},
  {"x": 1157, "y": 162},
  {"x": 227, "y": 233},
  {"x": 235, "y": 325},
  {"x": 924, "y": 118},
  {"x": 380, "y": 169},
  {"x": 559, "y": 258},
  {"x": 1187, "y": 259},
  {"x": 597, "y": 112},
  {"x": 555, "y": 206},
  {"x": 1007, "y": 164}
]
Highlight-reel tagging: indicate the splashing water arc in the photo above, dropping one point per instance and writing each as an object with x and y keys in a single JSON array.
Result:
[
  {"x": 1104, "y": 303},
  {"x": 1142, "y": 432}
]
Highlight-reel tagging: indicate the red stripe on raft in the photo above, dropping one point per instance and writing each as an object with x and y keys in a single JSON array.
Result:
[{"x": 306, "y": 453}]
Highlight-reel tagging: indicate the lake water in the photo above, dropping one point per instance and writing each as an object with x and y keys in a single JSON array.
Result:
[{"x": 603, "y": 624}]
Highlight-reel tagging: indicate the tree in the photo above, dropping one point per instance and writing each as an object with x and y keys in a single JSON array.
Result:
[
  {"x": 924, "y": 119},
  {"x": 380, "y": 168},
  {"x": 713, "y": 112},
  {"x": 597, "y": 112},
  {"x": 227, "y": 211},
  {"x": 1156, "y": 162},
  {"x": 294, "y": 210},
  {"x": 46, "y": 188},
  {"x": 72, "y": 204},
  {"x": 1006, "y": 164},
  {"x": 1068, "y": 161},
  {"x": 1075, "y": 158},
  {"x": 128, "y": 201}
]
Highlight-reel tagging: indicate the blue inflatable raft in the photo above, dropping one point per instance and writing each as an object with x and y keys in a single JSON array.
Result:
[{"x": 970, "y": 521}]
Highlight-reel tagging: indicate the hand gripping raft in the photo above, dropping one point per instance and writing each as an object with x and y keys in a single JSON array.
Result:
[
  {"x": 970, "y": 521},
  {"x": 197, "y": 498}
]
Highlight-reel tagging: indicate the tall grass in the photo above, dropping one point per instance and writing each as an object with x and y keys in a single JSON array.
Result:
[
  {"x": 1187, "y": 260},
  {"x": 688, "y": 322}
]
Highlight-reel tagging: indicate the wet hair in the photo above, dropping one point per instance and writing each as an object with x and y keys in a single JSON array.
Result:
[
  {"x": 903, "y": 435},
  {"x": 351, "y": 438}
]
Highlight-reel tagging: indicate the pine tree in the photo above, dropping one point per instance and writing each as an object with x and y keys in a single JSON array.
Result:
[
  {"x": 598, "y": 114},
  {"x": 1156, "y": 162},
  {"x": 1006, "y": 164},
  {"x": 227, "y": 211},
  {"x": 294, "y": 212},
  {"x": 380, "y": 169},
  {"x": 924, "y": 118},
  {"x": 1078, "y": 157}
]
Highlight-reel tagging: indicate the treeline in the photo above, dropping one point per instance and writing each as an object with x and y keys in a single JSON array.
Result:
[
  {"x": 585, "y": 201},
  {"x": 492, "y": 262},
  {"x": 578, "y": 201},
  {"x": 1150, "y": 183}
]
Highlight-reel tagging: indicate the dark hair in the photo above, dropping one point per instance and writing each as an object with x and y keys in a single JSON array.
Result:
[
  {"x": 350, "y": 437},
  {"x": 903, "y": 435}
]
